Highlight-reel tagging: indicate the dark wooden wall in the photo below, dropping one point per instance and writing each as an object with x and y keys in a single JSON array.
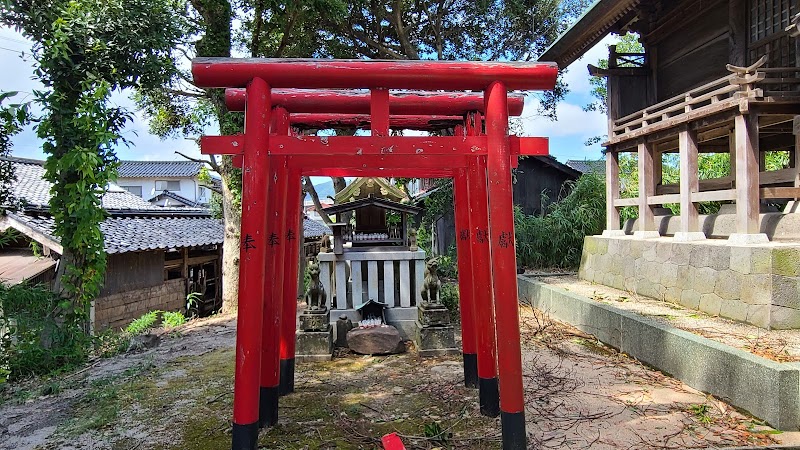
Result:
[
  {"x": 691, "y": 48},
  {"x": 133, "y": 270},
  {"x": 533, "y": 177}
]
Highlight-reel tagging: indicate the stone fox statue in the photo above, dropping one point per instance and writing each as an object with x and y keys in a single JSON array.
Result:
[
  {"x": 431, "y": 284},
  {"x": 316, "y": 298}
]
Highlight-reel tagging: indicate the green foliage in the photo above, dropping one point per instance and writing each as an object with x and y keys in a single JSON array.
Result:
[
  {"x": 172, "y": 319},
  {"x": 36, "y": 248},
  {"x": 143, "y": 324},
  {"x": 9, "y": 236},
  {"x": 448, "y": 264},
  {"x": 110, "y": 343},
  {"x": 449, "y": 298},
  {"x": 627, "y": 43},
  {"x": 35, "y": 338},
  {"x": 555, "y": 238},
  {"x": 13, "y": 117},
  {"x": 83, "y": 51}
]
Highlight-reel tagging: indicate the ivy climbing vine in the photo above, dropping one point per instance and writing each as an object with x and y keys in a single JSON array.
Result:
[{"x": 83, "y": 51}]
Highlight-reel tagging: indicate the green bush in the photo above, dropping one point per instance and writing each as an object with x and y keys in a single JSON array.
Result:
[
  {"x": 449, "y": 298},
  {"x": 39, "y": 333},
  {"x": 172, "y": 319},
  {"x": 142, "y": 324},
  {"x": 555, "y": 238}
]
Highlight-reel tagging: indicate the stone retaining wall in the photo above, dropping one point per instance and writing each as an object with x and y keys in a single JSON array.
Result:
[
  {"x": 118, "y": 310},
  {"x": 765, "y": 388},
  {"x": 759, "y": 284}
]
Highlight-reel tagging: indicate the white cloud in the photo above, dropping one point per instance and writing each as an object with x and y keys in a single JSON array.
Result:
[
  {"x": 573, "y": 121},
  {"x": 577, "y": 76}
]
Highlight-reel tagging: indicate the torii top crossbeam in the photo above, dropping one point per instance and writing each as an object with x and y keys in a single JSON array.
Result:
[
  {"x": 360, "y": 74},
  {"x": 349, "y": 102}
]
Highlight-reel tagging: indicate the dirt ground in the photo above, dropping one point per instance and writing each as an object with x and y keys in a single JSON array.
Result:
[{"x": 579, "y": 394}]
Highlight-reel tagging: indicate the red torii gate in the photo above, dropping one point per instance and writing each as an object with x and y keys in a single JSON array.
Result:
[{"x": 273, "y": 163}]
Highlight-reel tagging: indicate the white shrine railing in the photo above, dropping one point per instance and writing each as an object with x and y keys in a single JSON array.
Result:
[{"x": 354, "y": 277}]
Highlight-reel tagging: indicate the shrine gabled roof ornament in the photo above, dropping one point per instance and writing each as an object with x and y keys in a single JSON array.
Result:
[{"x": 364, "y": 186}]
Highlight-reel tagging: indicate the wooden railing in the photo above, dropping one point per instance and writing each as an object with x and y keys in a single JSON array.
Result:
[{"x": 724, "y": 93}]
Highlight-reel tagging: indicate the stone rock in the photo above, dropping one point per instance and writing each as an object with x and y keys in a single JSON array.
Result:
[
  {"x": 374, "y": 341},
  {"x": 143, "y": 342},
  {"x": 314, "y": 345}
]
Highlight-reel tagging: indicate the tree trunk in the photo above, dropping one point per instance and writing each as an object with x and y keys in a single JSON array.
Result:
[{"x": 230, "y": 246}]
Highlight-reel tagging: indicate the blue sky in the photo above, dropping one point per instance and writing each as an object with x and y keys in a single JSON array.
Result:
[{"x": 567, "y": 135}]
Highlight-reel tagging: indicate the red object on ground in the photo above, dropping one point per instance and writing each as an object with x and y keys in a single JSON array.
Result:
[{"x": 392, "y": 441}]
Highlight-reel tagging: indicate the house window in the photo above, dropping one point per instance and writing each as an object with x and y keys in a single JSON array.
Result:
[
  {"x": 135, "y": 190},
  {"x": 162, "y": 185}
]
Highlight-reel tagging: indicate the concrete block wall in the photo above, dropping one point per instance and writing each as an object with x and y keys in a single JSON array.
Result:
[
  {"x": 118, "y": 310},
  {"x": 757, "y": 284}
]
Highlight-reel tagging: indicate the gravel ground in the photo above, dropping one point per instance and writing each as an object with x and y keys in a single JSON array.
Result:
[{"x": 578, "y": 394}]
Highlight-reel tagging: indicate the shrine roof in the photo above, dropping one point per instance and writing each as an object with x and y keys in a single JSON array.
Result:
[
  {"x": 372, "y": 201},
  {"x": 363, "y": 187}
]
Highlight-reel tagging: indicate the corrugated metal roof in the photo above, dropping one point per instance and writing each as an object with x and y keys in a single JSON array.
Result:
[
  {"x": 17, "y": 266},
  {"x": 151, "y": 169}
]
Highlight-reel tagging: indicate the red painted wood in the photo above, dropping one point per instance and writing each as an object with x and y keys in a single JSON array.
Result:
[
  {"x": 464, "y": 253},
  {"x": 504, "y": 265},
  {"x": 362, "y": 121},
  {"x": 273, "y": 283},
  {"x": 363, "y": 145},
  {"x": 293, "y": 239},
  {"x": 377, "y": 172},
  {"x": 444, "y": 163},
  {"x": 379, "y": 112},
  {"x": 361, "y": 74},
  {"x": 253, "y": 256},
  {"x": 483, "y": 305},
  {"x": 355, "y": 146},
  {"x": 277, "y": 251},
  {"x": 316, "y": 101}
]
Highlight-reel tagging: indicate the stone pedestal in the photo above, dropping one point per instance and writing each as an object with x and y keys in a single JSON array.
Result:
[
  {"x": 314, "y": 339},
  {"x": 433, "y": 315},
  {"x": 435, "y": 335}
]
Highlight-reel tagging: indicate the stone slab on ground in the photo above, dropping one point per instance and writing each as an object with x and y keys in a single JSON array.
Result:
[
  {"x": 380, "y": 340},
  {"x": 765, "y": 388}
]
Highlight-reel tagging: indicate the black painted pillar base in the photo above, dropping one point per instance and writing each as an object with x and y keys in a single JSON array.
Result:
[
  {"x": 489, "y": 397},
  {"x": 471, "y": 370},
  {"x": 287, "y": 376},
  {"x": 514, "y": 435},
  {"x": 268, "y": 406},
  {"x": 245, "y": 437}
]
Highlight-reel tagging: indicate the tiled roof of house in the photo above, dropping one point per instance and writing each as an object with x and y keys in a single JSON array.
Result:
[
  {"x": 138, "y": 233},
  {"x": 314, "y": 228},
  {"x": 151, "y": 169},
  {"x": 176, "y": 197},
  {"x": 34, "y": 191},
  {"x": 134, "y": 224},
  {"x": 588, "y": 166}
]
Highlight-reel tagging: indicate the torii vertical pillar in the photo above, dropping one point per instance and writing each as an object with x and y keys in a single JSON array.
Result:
[
  {"x": 273, "y": 282},
  {"x": 504, "y": 269},
  {"x": 293, "y": 238},
  {"x": 465, "y": 287},
  {"x": 255, "y": 172}
]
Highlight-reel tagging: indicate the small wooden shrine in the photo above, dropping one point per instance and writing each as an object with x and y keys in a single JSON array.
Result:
[{"x": 371, "y": 212}]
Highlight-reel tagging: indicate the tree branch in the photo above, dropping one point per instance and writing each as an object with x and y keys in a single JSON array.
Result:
[
  {"x": 402, "y": 35},
  {"x": 210, "y": 161},
  {"x": 308, "y": 188}
]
